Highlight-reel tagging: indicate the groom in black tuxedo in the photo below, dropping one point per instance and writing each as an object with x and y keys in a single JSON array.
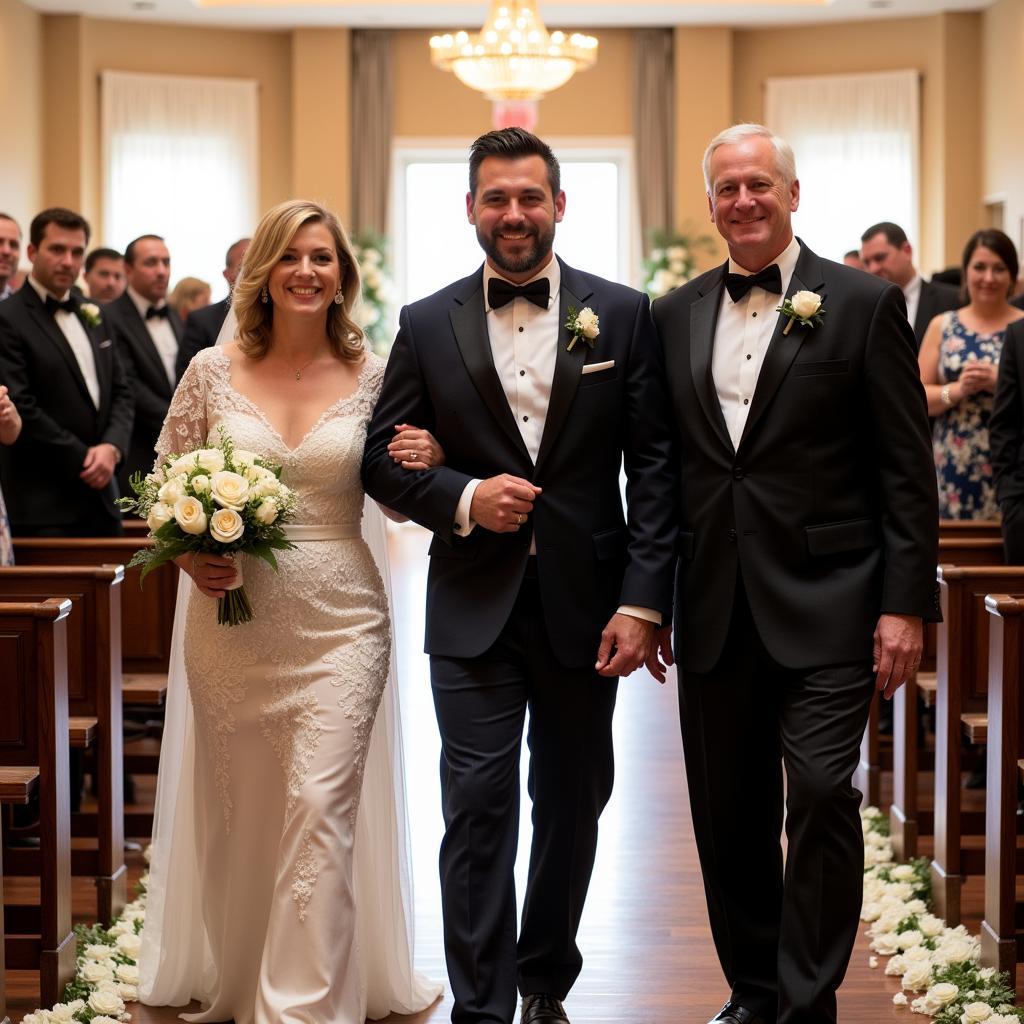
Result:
[
  {"x": 808, "y": 550},
  {"x": 541, "y": 592}
]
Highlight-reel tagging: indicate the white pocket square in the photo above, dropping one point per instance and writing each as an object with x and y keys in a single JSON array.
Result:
[
  {"x": 594, "y": 367},
  {"x": 105, "y": 344}
]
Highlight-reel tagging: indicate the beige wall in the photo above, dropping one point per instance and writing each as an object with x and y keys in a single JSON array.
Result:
[
  {"x": 21, "y": 59},
  {"x": 1003, "y": 112}
]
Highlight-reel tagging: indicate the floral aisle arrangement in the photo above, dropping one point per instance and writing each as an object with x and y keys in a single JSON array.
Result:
[
  {"x": 672, "y": 261},
  {"x": 106, "y": 972},
  {"x": 938, "y": 962},
  {"x": 221, "y": 500},
  {"x": 373, "y": 313}
]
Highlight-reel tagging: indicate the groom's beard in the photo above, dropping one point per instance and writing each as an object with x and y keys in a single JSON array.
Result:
[{"x": 531, "y": 259}]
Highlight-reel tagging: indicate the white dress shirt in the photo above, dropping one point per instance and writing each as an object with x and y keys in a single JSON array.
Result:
[
  {"x": 81, "y": 348},
  {"x": 524, "y": 345},
  {"x": 742, "y": 336},
  {"x": 161, "y": 331},
  {"x": 912, "y": 293}
]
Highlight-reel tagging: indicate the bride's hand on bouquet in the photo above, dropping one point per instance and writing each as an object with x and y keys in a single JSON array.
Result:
[
  {"x": 210, "y": 573},
  {"x": 413, "y": 448}
]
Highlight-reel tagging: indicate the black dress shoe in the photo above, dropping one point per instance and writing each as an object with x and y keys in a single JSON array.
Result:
[
  {"x": 542, "y": 1009},
  {"x": 733, "y": 1013}
]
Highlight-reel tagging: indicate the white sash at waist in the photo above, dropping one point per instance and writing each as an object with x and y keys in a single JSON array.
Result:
[{"x": 329, "y": 531}]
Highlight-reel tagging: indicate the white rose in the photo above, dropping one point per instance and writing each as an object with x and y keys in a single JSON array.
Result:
[
  {"x": 210, "y": 459},
  {"x": 129, "y": 993},
  {"x": 870, "y": 911},
  {"x": 588, "y": 323},
  {"x": 159, "y": 514},
  {"x": 675, "y": 252},
  {"x": 32, "y": 1018},
  {"x": 200, "y": 483},
  {"x": 226, "y": 525},
  {"x": 662, "y": 281},
  {"x": 908, "y": 940},
  {"x": 229, "y": 490},
  {"x": 886, "y": 944},
  {"x": 119, "y": 928},
  {"x": 974, "y": 1013},
  {"x": 917, "y": 977},
  {"x": 954, "y": 949},
  {"x": 915, "y": 908},
  {"x": 129, "y": 945},
  {"x": 918, "y": 953},
  {"x": 182, "y": 466},
  {"x": 100, "y": 952},
  {"x": 930, "y": 926},
  {"x": 63, "y": 1011},
  {"x": 94, "y": 971},
  {"x": 897, "y": 965},
  {"x": 806, "y": 304},
  {"x": 190, "y": 515},
  {"x": 266, "y": 511},
  {"x": 107, "y": 1002},
  {"x": 241, "y": 457},
  {"x": 902, "y": 873},
  {"x": 944, "y": 993},
  {"x": 899, "y": 999},
  {"x": 128, "y": 973},
  {"x": 103, "y": 1019},
  {"x": 676, "y": 266},
  {"x": 171, "y": 491}
]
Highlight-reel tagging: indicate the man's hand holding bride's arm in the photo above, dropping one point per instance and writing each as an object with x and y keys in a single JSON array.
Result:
[{"x": 210, "y": 573}]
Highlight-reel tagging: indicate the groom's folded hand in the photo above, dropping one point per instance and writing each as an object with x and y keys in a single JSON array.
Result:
[
  {"x": 503, "y": 503},
  {"x": 625, "y": 643}
]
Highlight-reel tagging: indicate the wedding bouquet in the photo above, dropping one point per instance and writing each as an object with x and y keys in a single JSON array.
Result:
[{"x": 220, "y": 500}]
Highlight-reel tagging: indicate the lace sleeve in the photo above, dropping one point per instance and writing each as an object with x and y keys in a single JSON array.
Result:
[{"x": 185, "y": 427}]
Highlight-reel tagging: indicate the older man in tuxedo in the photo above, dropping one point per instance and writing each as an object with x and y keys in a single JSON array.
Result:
[
  {"x": 886, "y": 252},
  {"x": 541, "y": 592},
  {"x": 61, "y": 368},
  {"x": 203, "y": 325},
  {"x": 148, "y": 333},
  {"x": 807, "y": 568}
]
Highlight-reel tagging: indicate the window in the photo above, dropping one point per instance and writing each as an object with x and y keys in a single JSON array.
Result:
[
  {"x": 180, "y": 161},
  {"x": 856, "y": 143},
  {"x": 435, "y": 244}
]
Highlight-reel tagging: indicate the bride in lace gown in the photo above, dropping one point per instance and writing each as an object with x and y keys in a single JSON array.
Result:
[{"x": 297, "y": 912}]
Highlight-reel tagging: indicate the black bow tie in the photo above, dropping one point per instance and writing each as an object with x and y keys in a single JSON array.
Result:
[
  {"x": 52, "y": 305},
  {"x": 162, "y": 311},
  {"x": 738, "y": 285},
  {"x": 500, "y": 292}
]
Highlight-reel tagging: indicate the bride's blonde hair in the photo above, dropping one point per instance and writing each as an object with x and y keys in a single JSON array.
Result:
[{"x": 272, "y": 237}]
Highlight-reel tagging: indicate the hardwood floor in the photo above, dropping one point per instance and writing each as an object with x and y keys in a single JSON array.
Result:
[{"x": 645, "y": 938}]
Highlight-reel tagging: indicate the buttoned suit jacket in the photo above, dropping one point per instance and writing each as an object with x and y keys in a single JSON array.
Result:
[
  {"x": 202, "y": 327},
  {"x": 935, "y": 298},
  {"x": 1006, "y": 426},
  {"x": 590, "y": 558},
  {"x": 828, "y": 506},
  {"x": 60, "y": 423},
  {"x": 147, "y": 378}
]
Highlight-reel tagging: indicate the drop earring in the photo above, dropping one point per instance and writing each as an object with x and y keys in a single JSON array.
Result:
[
  {"x": 264, "y": 294},
  {"x": 339, "y": 298}
]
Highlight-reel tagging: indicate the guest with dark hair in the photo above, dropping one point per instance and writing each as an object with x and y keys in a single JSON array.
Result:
[
  {"x": 852, "y": 259},
  {"x": 62, "y": 373},
  {"x": 204, "y": 324},
  {"x": 886, "y": 252},
  {"x": 959, "y": 362},
  {"x": 10, "y": 250},
  {"x": 104, "y": 275}
]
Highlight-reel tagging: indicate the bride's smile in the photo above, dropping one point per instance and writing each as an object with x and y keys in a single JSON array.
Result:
[{"x": 308, "y": 275}]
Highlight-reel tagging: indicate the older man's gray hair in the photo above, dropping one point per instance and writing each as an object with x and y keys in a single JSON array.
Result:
[{"x": 785, "y": 162}]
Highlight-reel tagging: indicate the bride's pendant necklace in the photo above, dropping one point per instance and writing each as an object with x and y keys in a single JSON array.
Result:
[{"x": 298, "y": 372}]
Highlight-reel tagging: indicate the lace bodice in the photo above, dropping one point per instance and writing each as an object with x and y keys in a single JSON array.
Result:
[{"x": 323, "y": 468}]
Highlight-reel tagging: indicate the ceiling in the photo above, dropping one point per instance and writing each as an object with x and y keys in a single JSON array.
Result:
[{"x": 283, "y": 14}]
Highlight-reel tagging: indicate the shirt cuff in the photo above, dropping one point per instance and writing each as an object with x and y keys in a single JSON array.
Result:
[
  {"x": 464, "y": 525},
  {"x": 647, "y": 614}
]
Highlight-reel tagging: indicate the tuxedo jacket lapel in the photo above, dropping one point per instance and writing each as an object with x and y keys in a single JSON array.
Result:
[
  {"x": 703, "y": 321},
  {"x": 573, "y": 293},
  {"x": 469, "y": 323},
  {"x": 783, "y": 348},
  {"x": 48, "y": 326},
  {"x": 143, "y": 342}
]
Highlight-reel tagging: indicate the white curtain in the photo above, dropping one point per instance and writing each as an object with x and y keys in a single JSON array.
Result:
[
  {"x": 180, "y": 160},
  {"x": 856, "y": 141}
]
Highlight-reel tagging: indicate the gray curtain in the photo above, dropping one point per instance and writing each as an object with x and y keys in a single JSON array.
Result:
[
  {"x": 654, "y": 128},
  {"x": 372, "y": 113}
]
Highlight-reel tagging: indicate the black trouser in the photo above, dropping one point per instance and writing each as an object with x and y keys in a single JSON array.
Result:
[
  {"x": 1013, "y": 530},
  {"x": 784, "y": 934},
  {"x": 481, "y": 706}
]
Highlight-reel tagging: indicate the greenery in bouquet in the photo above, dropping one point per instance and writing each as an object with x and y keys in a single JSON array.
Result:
[
  {"x": 220, "y": 500},
  {"x": 672, "y": 260},
  {"x": 372, "y": 315}
]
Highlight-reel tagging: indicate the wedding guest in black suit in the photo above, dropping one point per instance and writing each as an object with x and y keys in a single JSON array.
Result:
[
  {"x": 104, "y": 275},
  {"x": 1006, "y": 436},
  {"x": 203, "y": 325},
  {"x": 886, "y": 253},
  {"x": 808, "y": 544},
  {"x": 10, "y": 250},
  {"x": 62, "y": 372},
  {"x": 541, "y": 591},
  {"x": 148, "y": 333}
]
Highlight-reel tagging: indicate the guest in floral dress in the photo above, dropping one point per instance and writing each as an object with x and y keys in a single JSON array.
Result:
[
  {"x": 959, "y": 362},
  {"x": 10, "y": 428}
]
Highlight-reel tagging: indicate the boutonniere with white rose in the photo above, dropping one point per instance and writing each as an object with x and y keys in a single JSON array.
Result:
[
  {"x": 91, "y": 314},
  {"x": 802, "y": 308},
  {"x": 583, "y": 325}
]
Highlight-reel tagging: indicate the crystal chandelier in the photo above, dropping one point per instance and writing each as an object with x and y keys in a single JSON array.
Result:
[{"x": 513, "y": 60}]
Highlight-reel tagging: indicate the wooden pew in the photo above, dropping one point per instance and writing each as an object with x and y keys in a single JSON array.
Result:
[
  {"x": 34, "y": 713},
  {"x": 962, "y": 674},
  {"x": 961, "y": 542},
  {"x": 94, "y": 690},
  {"x": 1002, "y": 938}
]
